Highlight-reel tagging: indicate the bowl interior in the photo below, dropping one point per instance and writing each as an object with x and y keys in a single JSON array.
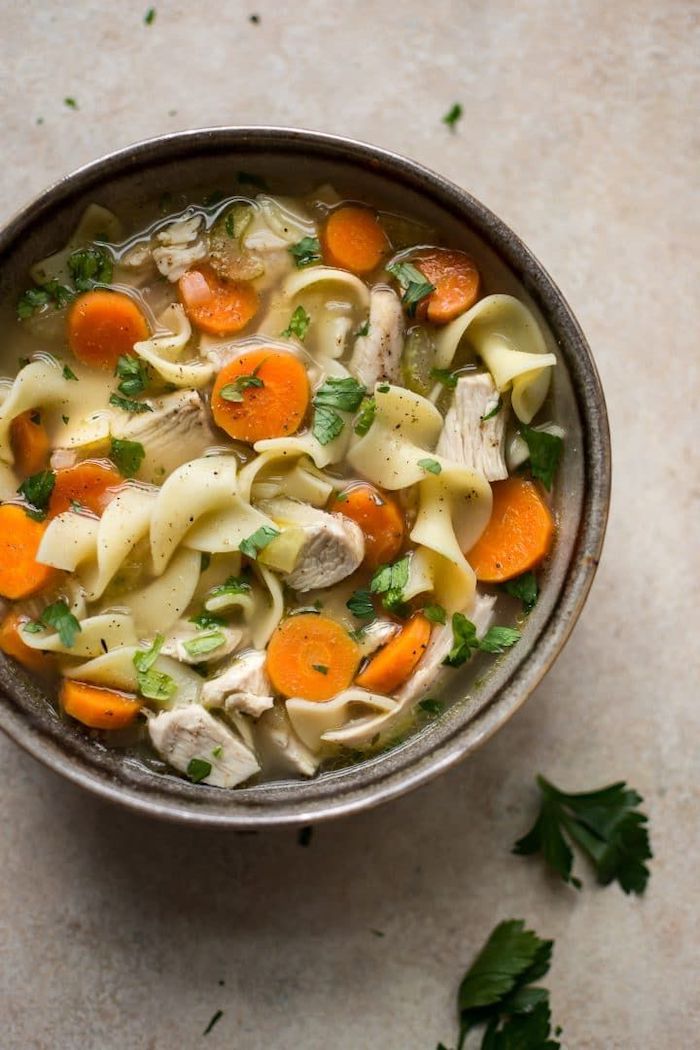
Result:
[{"x": 132, "y": 182}]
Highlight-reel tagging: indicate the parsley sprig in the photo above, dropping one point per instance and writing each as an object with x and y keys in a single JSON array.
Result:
[
  {"x": 524, "y": 587},
  {"x": 133, "y": 376},
  {"x": 257, "y": 541},
  {"x": 87, "y": 267},
  {"x": 414, "y": 284},
  {"x": 545, "y": 452},
  {"x": 466, "y": 643},
  {"x": 153, "y": 684},
  {"x": 234, "y": 391},
  {"x": 332, "y": 397},
  {"x": 37, "y": 489},
  {"x": 58, "y": 616},
  {"x": 298, "y": 325},
  {"x": 306, "y": 251},
  {"x": 605, "y": 824},
  {"x": 389, "y": 581}
]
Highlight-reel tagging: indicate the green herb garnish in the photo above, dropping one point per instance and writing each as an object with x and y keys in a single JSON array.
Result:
[
  {"x": 298, "y": 325},
  {"x": 306, "y": 251},
  {"x": 365, "y": 417},
  {"x": 435, "y": 613},
  {"x": 430, "y": 706},
  {"x": 494, "y": 411},
  {"x": 444, "y": 376},
  {"x": 605, "y": 824},
  {"x": 127, "y": 456},
  {"x": 321, "y": 668},
  {"x": 70, "y": 102},
  {"x": 414, "y": 284},
  {"x": 363, "y": 330},
  {"x": 206, "y": 621},
  {"x": 68, "y": 373},
  {"x": 430, "y": 465},
  {"x": 37, "y": 489},
  {"x": 466, "y": 643},
  {"x": 545, "y": 452},
  {"x": 234, "y": 391},
  {"x": 334, "y": 396},
  {"x": 35, "y": 298},
  {"x": 258, "y": 541},
  {"x": 90, "y": 266},
  {"x": 127, "y": 404},
  {"x": 150, "y": 16},
  {"x": 59, "y": 616},
  {"x": 389, "y": 581},
  {"x": 453, "y": 115},
  {"x": 234, "y": 584},
  {"x": 360, "y": 604},
  {"x": 197, "y": 770},
  {"x": 204, "y": 643},
  {"x": 133, "y": 376},
  {"x": 155, "y": 685},
  {"x": 525, "y": 588}
]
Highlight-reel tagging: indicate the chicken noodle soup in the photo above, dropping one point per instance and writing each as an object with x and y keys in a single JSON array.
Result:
[{"x": 267, "y": 467}]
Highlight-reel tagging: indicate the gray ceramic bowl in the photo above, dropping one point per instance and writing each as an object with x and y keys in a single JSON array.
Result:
[{"x": 293, "y": 161}]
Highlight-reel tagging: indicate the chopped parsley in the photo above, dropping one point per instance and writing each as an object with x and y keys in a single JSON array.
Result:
[
  {"x": 545, "y": 452},
  {"x": 205, "y": 643},
  {"x": 365, "y": 417},
  {"x": 51, "y": 293},
  {"x": 430, "y": 706},
  {"x": 197, "y": 770},
  {"x": 133, "y": 376},
  {"x": 306, "y": 251},
  {"x": 155, "y": 685},
  {"x": 68, "y": 373},
  {"x": 525, "y": 588},
  {"x": 234, "y": 391},
  {"x": 383, "y": 388},
  {"x": 363, "y": 330},
  {"x": 127, "y": 456},
  {"x": 258, "y": 541},
  {"x": 298, "y": 325},
  {"x": 333, "y": 396},
  {"x": 234, "y": 584},
  {"x": 431, "y": 466},
  {"x": 127, "y": 404},
  {"x": 150, "y": 16},
  {"x": 58, "y": 616},
  {"x": 37, "y": 489},
  {"x": 413, "y": 283},
  {"x": 206, "y": 621},
  {"x": 360, "y": 604},
  {"x": 444, "y": 376},
  {"x": 90, "y": 266},
  {"x": 70, "y": 103},
  {"x": 466, "y": 643},
  {"x": 605, "y": 824},
  {"x": 389, "y": 581},
  {"x": 453, "y": 115},
  {"x": 435, "y": 613},
  {"x": 217, "y": 751},
  {"x": 321, "y": 668},
  {"x": 494, "y": 411}
]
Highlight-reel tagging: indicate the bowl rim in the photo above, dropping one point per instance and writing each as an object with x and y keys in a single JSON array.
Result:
[{"x": 579, "y": 573}]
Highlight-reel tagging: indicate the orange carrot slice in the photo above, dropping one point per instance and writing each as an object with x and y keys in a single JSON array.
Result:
[
  {"x": 216, "y": 306},
  {"x": 456, "y": 281},
  {"x": 397, "y": 661},
  {"x": 379, "y": 517},
  {"x": 519, "y": 534},
  {"x": 13, "y": 645},
  {"x": 98, "y": 707},
  {"x": 103, "y": 326},
  {"x": 91, "y": 484},
  {"x": 354, "y": 239},
  {"x": 30, "y": 443},
  {"x": 20, "y": 536},
  {"x": 273, "y": 389},
  {"x": 312, "y": 657}
]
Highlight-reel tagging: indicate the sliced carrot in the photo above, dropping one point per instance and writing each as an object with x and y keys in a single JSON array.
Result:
[
  {"x": 97, "y": 707},
  {"x": 396, "y": 662},
  {"x": 91, "y": 484},
  {"x": 456, "y": 281},
  {"x": 379, "y": 517},
  {"x": 311, "y": 656},
  {"x": 12, "y": 643},
  {"x": 20, "y": 536},
  {"x": 519, "y": 534},
  {"x": 274, "y": 391},
  {"x": 217, "y": 306},
  {"x": 30, "y": 443},
  {"x": 103, "y": 326},
  {"x": 354, "y": 239}
]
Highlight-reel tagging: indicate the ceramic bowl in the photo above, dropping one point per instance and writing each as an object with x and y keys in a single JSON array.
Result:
[{"x": 296, "y": 161}]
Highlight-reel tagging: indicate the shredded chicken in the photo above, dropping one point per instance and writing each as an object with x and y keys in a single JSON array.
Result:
[
  {"x": 377, "y": 355},
  {"x": 179, "y": 247},
  {"x": 469, "y": 437},
  {"x": 175, "y": 432},
  {"x": 243, "y": 686},
  {"x": 330, "y": 547},
  {"x": 190, "y": 732}
]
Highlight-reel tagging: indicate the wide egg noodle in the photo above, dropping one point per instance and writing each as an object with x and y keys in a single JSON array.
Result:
[
  {"x": 163, "y": 351},
  {"x": 39, "y": 383},
  {"x": 507, "y": 338},
  {"x": 313, "y": 722},
  {"x": 160, "y": 603},
  {"x": 110, "y": 630},
  {"x": 312, "y": 275},
  {"x": 123, "y": 523},
  {"x": 69, "y": 540},
  {"x": 269, "y": 608},
  {"x": 116, "y": 670}
]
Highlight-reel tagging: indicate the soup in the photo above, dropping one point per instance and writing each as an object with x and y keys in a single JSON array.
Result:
[{"x": 270, "y": 470}]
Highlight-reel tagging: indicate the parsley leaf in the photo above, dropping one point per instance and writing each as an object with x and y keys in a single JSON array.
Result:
[
  {"x": 494, "y": 411},
  {"x": 430, "y": 465},
  {"x": 128, "y": 405},
  {"x": 68, "y": 373},
  {"x": 234, "y": 391},
  {"x": 365, "y": 417},
  {"x": 258, "y": 541},
  {"x": 298, "y": 325},
  {"x": 435, "y": 613},
  {"x": 360, "y": 604},
  {"x": 345, "y": 395},
  {"x": 90, "y": 266},
  {"x": 133, "y": 375},
  {"x": 362, "y": 330},
  {"x": 306, "y": 251},
  {"x": 545, "y": 452},
  {"x": 204, "y": 643},
  {"x": 453, "y": 115},
  {"x": 605, "y": 824},
  {"x": 70, "y": 102},
  {"x": 430, "y": 706},
  {"x": 390, "y": 580},
  {"x": 233, "y": 585},
  {"x": 414, "y": 284},
  {"x": 321, "y": 668},
  {"x": 197, "y": 770},
  {"x": 59, "y": 616},
  {"x": 127, "y": 456},
  {"x": 37, "y": 488},
  {"x": 525, "y": 588},
  {"x": 206, "y": 621},
  {"x": 143, "y": 659},
  {"x": 327, "y": 425},
  {"x": 150, "y": 16},
  {"x": 154, "y": 685},
  {"x": 466, "y": 643},
  {"x": 444, "y": 376},
  {"x": 35, "y": 298}
]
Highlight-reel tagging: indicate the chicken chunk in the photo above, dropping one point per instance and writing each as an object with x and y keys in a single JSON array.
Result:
[
  {"x": 179, "y": 247},
  {"x": 281, "y": 748},
  {"x": 326, "y": 548},
  {"x": 175, "y": 432},
  {"x": 377, "y": 355},
  {"x": 467, "y": 436},
  {"x": 243, "y": 686},
  {"x": 191, "y": 732}
]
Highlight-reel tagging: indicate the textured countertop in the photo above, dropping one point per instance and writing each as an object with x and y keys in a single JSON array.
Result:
[{"x": 578, "y": 130}]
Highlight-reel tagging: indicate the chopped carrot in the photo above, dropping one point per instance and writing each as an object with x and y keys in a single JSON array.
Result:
[
  {"x": 12, "y": 644},
  {"x": 20, "y": 573},
  {"x": 217, "y": 306},
  {"x": 519, "y": 533},
  {"x": 30, "y": 442},
  {"x": 97, "y": 707},
  {"x": 261, "y": 394},
  {"x": 103, "y": 326},
  {"x": 91, "y": 484},
  {"x": 311, "y": 656},
  {"x": 456, "y": 281},
  {"x": 397, "y": 661},
  {"x": 354, "y": 239},
  {"x": 378, "y": 515}
]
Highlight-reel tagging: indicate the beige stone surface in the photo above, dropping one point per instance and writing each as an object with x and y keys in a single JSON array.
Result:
[{"x": 580, "y": 129}]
